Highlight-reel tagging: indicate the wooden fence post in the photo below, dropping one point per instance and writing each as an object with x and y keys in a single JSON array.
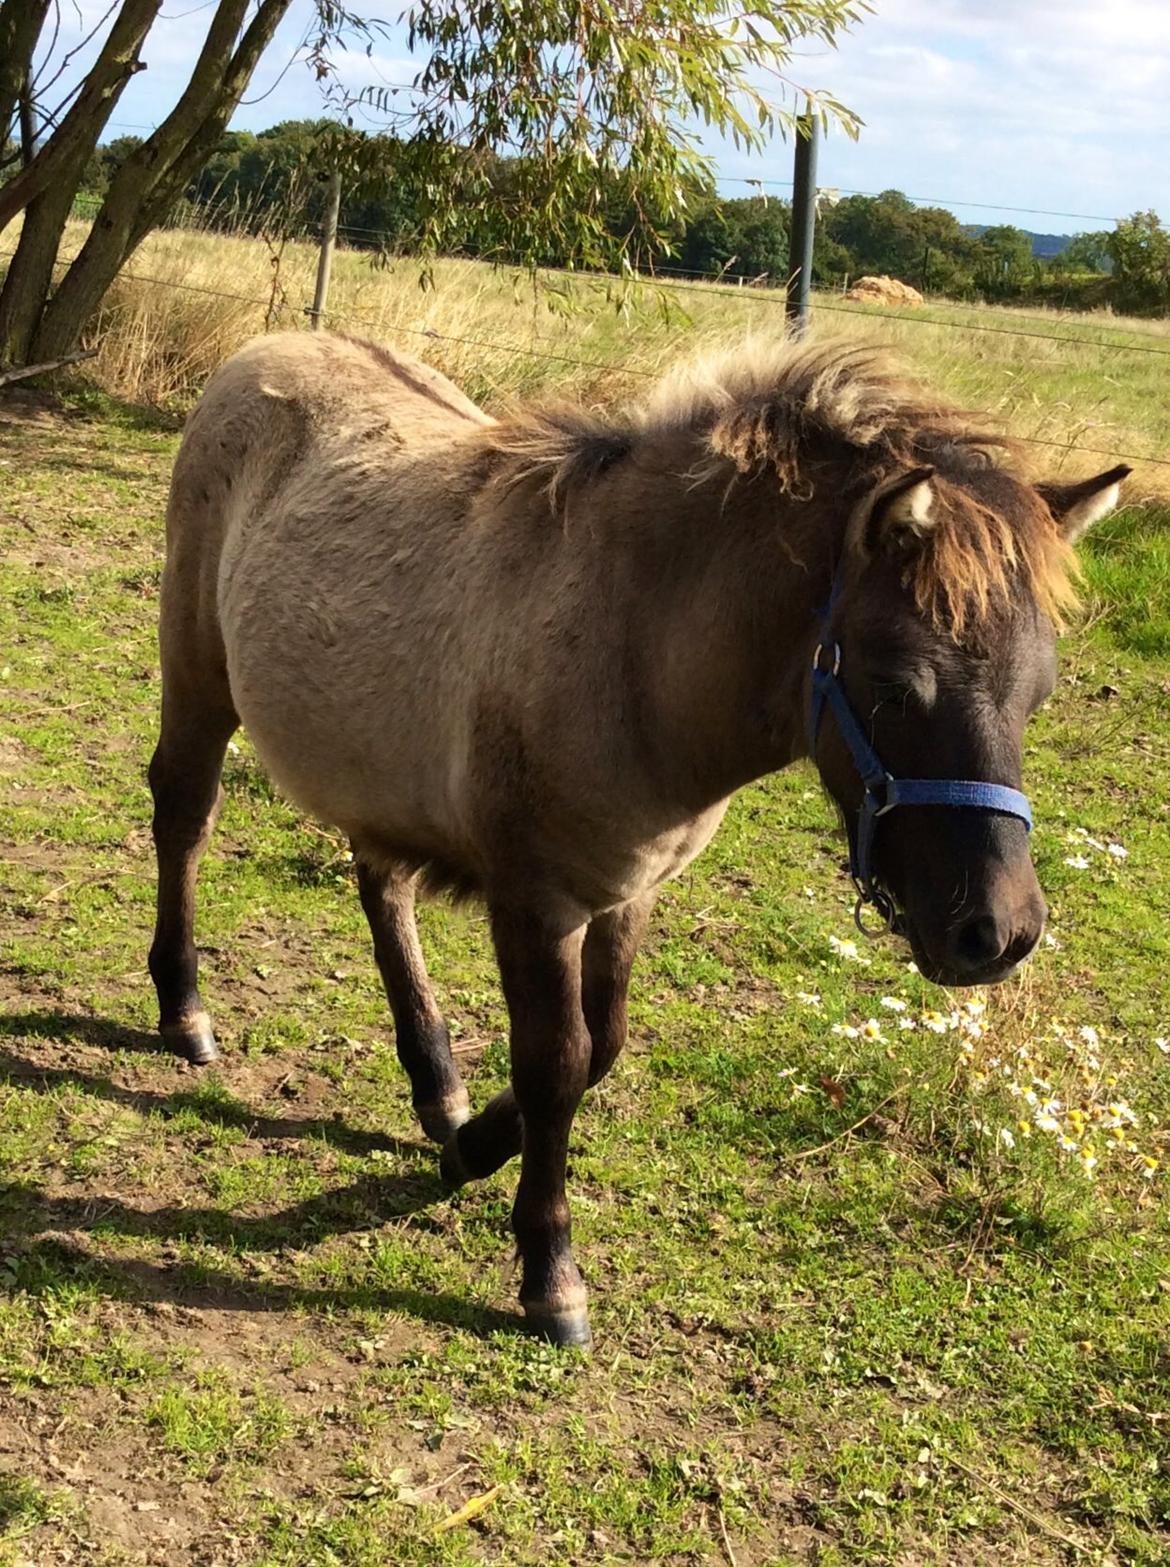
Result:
[{"x": 325, "y": 259}]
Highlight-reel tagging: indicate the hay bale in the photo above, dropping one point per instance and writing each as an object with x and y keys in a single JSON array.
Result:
[{"x": 884, "y": 291}]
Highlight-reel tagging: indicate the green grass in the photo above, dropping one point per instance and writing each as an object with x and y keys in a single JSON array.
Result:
[
  {"x": 838, "y": 1318},
  {"x": 212, "y": 1423},
  {"x": 25, "y": 1509}
]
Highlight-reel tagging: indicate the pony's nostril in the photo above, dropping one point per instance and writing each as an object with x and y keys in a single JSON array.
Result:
[
  {"x": 1022, "y": 945},
  {"x": 978, "y": 943}
]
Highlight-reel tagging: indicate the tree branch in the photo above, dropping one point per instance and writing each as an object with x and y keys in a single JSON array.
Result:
[
  {"x": 115, "y": 65},
  {"x": 23, "y": 372}
]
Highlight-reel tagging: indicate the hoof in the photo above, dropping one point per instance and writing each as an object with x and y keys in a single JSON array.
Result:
[
  {"x": 568, "y": 1327},
  {"x": 452, "y": 1170},
  {"x": 442, "y": 1119},
  {"x": 192, "y": 1039}
]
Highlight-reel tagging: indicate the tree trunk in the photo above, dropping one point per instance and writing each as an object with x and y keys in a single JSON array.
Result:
[
  {"x": 83, "y": 124},
  {"x": 29, "y": 279},
  {"x": 20, "y": 27},
  {"x": 155, "y": 174}
]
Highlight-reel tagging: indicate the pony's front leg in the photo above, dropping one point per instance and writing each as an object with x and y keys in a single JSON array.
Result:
[
  {"x": 489, "y": 1139},
  {"x": 541, "y": 973}
]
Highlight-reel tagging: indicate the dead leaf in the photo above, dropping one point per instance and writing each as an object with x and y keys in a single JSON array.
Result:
[
  {"x": 834, "y": 1090},
  {"x": 470, "y": 1509}
]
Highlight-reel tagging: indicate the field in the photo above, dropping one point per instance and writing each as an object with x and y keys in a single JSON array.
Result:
[
  {"x": 188, "y": 299},
  {"x": 862, "y": 1292}
]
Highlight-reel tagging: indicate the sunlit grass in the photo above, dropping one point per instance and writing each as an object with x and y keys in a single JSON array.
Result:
[{"x": 839, "y": 1316}]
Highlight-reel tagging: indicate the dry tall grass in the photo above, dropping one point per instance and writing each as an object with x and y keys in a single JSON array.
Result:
[{"x": 168, "y": 321}]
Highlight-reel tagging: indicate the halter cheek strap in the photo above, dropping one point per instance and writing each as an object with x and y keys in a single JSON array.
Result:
[{"x": 882, "y": 791}]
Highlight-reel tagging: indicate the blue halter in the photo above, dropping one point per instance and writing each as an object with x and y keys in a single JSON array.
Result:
[{"x": 882, "y": 791}]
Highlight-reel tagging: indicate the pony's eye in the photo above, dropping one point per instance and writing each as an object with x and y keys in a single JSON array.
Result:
[
  {"x": 918, "y": 689},
  {"x": 894, "y": 691}
]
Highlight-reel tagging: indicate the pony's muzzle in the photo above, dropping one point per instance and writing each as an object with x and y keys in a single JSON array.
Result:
[{"x": 986, "y": 946}]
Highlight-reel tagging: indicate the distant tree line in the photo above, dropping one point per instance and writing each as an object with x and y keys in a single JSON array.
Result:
[
  {"x": 274, "y": 181},
  {"x": 583, "y": 104}
]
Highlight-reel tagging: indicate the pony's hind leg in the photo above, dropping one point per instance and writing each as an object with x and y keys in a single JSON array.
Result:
[
  {"x": 184, "y": 780},
  {"x": 611, "y": 945},
  {"x": 420, "y": 1035}
]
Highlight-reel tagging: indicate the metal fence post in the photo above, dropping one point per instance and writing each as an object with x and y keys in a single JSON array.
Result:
[
  {"x": 325, "y": 259},
  {"x": 804, "y": 217}
]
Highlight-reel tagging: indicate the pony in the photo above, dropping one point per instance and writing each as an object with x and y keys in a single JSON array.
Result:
[{"x": 532, "y": 658}]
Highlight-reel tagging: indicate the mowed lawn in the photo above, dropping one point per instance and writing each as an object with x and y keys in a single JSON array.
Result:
[{"x": 879, "y": 1273}]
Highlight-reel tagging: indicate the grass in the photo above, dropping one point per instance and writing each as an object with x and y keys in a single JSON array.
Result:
[
  {"x": 1076, "y": 384},
  {"x": 212, "y": 1422},
  {"x": 840, "y": 1318}
]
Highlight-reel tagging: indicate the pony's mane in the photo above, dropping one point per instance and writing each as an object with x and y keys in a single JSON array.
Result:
[{"x": 820, "y": 412}]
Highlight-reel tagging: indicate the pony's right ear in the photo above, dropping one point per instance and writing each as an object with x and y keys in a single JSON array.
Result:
[
  {"x": 1076, "y": 507},
  {"x": 897, "y": 513}
]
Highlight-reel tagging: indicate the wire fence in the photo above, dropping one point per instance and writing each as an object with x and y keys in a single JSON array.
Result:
[
  {"x": 764, "y": 289},
  {"x": 1069, "y": 446},
  {"x": 772, "y": 292},
  {"x": 1000, "y": 331}
]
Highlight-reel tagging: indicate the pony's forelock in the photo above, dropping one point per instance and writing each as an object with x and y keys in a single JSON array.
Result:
[{"x": 974, "y": 562}]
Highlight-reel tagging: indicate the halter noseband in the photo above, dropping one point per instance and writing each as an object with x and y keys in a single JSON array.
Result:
[{"x": 882, "y": 791}]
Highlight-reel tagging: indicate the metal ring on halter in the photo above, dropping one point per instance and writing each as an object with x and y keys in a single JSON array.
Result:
[
  {"x": 883, "y": 903},
  {"x": 816, "y": 658}
]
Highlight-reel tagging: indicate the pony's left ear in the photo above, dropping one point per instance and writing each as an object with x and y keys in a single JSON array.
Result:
[
  {"x": 897, "y": 513},
  {"x": 1077, "y": 507}
]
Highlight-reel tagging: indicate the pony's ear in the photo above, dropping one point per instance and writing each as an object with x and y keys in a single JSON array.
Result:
[
  {"x": 1077, "y": 507},
  {"x": 897, "y": 513}
]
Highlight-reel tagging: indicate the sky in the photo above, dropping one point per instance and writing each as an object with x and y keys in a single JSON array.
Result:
[{"x": 1057, "y": 106}]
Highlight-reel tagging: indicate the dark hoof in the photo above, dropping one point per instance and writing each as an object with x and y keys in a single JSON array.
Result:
[
  {"x": 193, "y": 1040},
  {"x": 452, "y": 1170},
  {"x": 441, "y": 1120},
  {"x": 569, "y": 1328}
]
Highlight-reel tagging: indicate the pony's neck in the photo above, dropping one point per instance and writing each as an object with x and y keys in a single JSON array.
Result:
[{"x": 730, "y": 631}]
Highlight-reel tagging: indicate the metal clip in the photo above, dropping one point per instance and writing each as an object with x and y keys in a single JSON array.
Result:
[
  {"x": 884, "y": 905},
  {"x": 816, "y": 658}
]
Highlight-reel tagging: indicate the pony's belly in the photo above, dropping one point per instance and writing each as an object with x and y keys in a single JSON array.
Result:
[
  {"x": 353, "y": 722},
  {"x": 333, "y": 759},
  {"x": 393, "y": 824},
  {"x": 616, "y": 876}
]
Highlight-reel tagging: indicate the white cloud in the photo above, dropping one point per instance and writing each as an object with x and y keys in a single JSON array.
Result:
[
  {"x": 1058, "y": 104},
  {"x": 1041, "y": 103}
]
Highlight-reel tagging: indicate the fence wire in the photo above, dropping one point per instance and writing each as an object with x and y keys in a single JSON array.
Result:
[{"x": 434, "y": 335}]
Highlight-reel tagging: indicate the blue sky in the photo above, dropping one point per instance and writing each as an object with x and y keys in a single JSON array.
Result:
[{"x": 1043, "y": 104}]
